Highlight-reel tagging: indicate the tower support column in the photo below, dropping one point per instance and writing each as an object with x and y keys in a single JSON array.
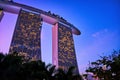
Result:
[
  {"x": 63, "y": 47},
  {"x": 26, "y": 38}
]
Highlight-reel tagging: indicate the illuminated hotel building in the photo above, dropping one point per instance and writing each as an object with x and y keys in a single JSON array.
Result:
[
  {"x": 63, "y": 47},
  {"x": 26, "y": 37}
]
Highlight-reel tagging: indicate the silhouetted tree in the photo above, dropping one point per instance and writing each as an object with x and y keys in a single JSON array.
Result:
[
  {"x": 9, "y": 66},
  {"x": 17, "y": 67},
  {"x": 69, "y": 75},
  {"x": 108, "y": 67}
]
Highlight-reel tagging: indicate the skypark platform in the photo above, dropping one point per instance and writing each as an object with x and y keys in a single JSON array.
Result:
[{"x": 13, "y": 7}]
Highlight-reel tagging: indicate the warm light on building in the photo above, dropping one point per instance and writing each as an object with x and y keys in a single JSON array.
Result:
[
  {"x": 1, "y": 14},
  {"x": 26, "y": 37},
  {"x": 64, "y": 55}
]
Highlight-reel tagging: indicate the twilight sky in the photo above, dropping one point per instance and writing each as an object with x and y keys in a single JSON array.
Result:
[{"x": 98, "y": 21}]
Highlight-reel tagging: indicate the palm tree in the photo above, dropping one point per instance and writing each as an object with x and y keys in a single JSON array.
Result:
[
  {"x": 50, "y": 71},
  {"x": 69, "y": 75},
  {"x": 60, "y": 74},
  {"x": 15, "y": 67},
  {"x": 9, "y": 65},
  {"x": 33, "y": 70}
]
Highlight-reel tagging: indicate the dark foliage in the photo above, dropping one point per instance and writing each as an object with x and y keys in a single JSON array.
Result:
[
  {"x": 15, "y": 67},
  {"x": 107, "y": 68}
]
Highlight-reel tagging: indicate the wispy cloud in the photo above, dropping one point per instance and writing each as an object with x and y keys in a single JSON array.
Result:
[{"x": 100, "y": 33}]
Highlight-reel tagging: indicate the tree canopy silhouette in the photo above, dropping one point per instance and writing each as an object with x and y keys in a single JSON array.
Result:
[
  {"x": 107, "y": 68},
  {"x": 16, "y": 67}
]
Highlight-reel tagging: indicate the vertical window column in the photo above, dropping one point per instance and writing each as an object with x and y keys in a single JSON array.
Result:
[
  {"x": 26, "y": 38},
  {"x": 63, "y": 48}
]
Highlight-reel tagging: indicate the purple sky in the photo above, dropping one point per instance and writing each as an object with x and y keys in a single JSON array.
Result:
[{"x": 98, "y": 21}]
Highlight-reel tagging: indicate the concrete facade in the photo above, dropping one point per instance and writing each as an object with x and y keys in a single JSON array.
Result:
[
  {"x": 63, "y": 48},
  {"x": 26, "y": 37}
]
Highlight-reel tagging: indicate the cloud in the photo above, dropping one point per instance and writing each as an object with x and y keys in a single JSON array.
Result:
[{"x": 100, "y": 33}]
